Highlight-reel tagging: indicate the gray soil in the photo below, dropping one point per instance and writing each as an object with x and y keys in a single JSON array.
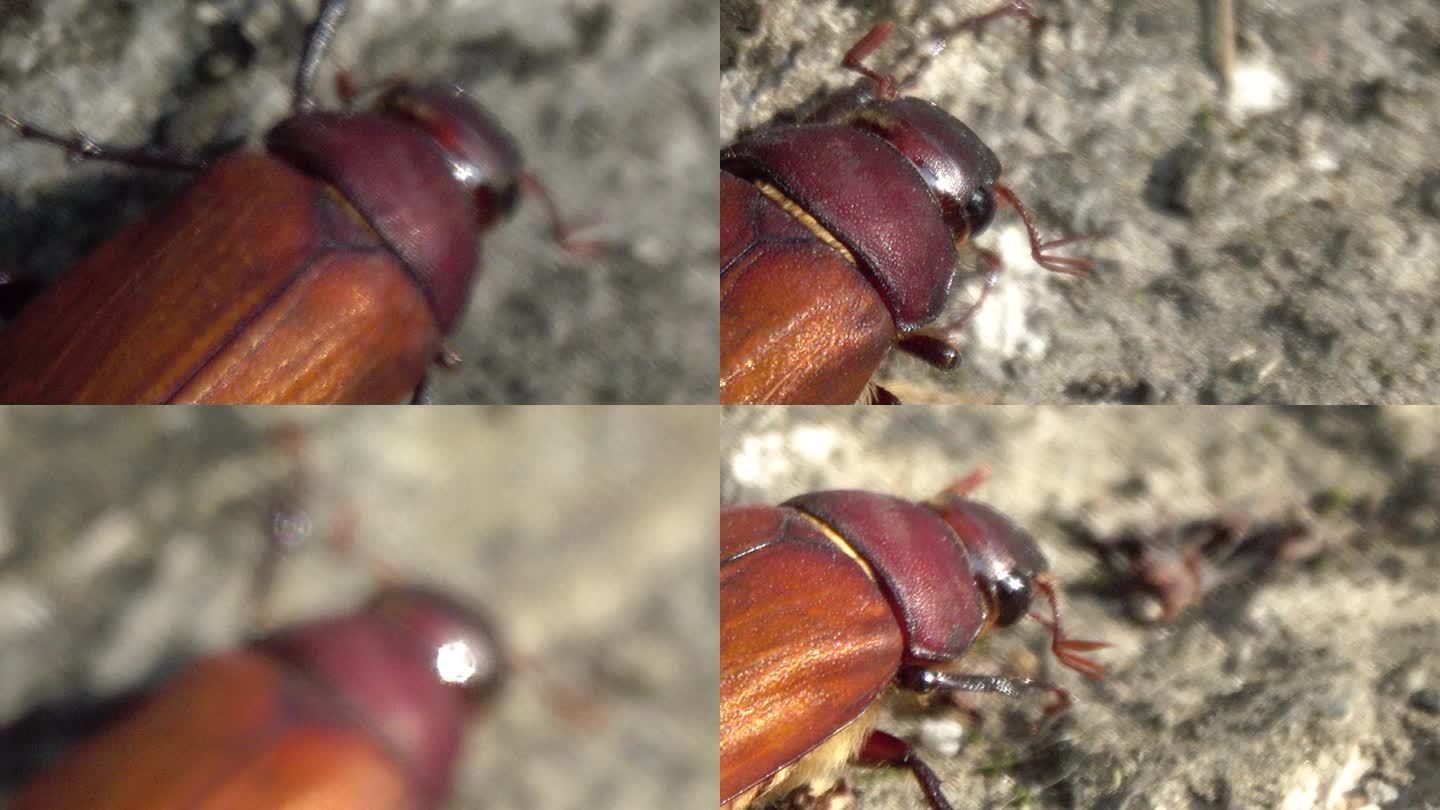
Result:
[
  {"x": 611, "y": 101},
  {"x": 1316, "y": 685},
  {"x": 1273, "y": 244},
  {"x": 128, "y": 546}
]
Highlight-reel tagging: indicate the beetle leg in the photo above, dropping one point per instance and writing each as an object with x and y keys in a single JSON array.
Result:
[
  {"x": 317, "y": 42},
  {"x": 1069, "y": 265},
  {"x": 854, "y": 60},
  {"x": 887, "y": 86},
  {"x": 878, "y": 395},
  {"x": 922, "y": 680},
  {"x": 934, "y": 349},
  {"x": 976, "y": 25},
  {"x": 80, "y": 146},
  {"x": 448, "y": 359},
  {"x": 1065, "y": 649},
  {"x": 936, "y": 345},
  {"x": 563, "y": 233},
  {"x": 349, "y": 88},
  {"x": 292, "y": 526},
  {"x": 971, "y": 482},
  {"x": 805, "y": 798},
  {"x": 883, "y": 750},
  {"x": 290, "y": 523}
]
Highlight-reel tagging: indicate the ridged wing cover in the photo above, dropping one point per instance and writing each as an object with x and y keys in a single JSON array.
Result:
[
  {"x": 235, "y": 732},
  {"x": 798, "y": 322},
  {"x": 256, "y": 284},
  {"x": 807, "y": 642}
]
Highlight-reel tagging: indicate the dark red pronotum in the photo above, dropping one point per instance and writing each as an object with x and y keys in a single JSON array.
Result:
[{"x": 839, "y": 236}]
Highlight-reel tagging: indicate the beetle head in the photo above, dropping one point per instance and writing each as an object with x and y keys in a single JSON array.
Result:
[
  {"x": 461, "y": 645},
  {"x": 1006, "y": 559},
  {"x": 482, "y": 155}
]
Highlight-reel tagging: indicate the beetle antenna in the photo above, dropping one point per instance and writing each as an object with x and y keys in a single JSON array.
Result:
[{"x": 317, "y": 42}]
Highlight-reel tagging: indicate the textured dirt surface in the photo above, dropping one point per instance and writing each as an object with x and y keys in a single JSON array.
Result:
[
  {"x": 612, "y": 102},
  {"x": 1276, "y": 244},
  {"x": 1314, "y": 686},
  {"x": 128, "y": 545}
]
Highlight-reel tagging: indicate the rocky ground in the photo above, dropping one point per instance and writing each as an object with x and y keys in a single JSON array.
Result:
[
  {"x": 1311, "y": 686},
  {"x": 128, "y": 547},
  {"x": 1273, "y": 242},
  {"x": 613, "y": 103}
]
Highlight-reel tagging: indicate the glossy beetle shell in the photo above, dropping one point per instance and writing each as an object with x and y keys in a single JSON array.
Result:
[
  {"x": 342, "y": 712},
  {"x": 328, "y": 270},
  {"x": 830, "y": 598},
  {"x": 780, "y": 340},
  {"x": 230, "y": 294},
  {"x": 815, "y": 338},
  {"x": 798, "y": 665}
]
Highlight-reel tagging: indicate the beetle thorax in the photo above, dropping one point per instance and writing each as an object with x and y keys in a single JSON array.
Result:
[{"x": 959, "y": 168}]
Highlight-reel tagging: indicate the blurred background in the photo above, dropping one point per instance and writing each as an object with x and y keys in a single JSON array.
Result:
[
  {"x": 612, "y": 103},
  {"x": 1308, "y": 681},
  {"x": 129, "y": 540},
  {"x": 1268, "y": 230}
]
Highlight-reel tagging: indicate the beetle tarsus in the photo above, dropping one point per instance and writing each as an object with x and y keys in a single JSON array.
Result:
[
  {"x": 949, "y": 333},
  {"x": 972, "y": 481},
  {"x": 1068, "y": 265},
  {"x": 562, "y": 232},
  {"x": 1064, "y": 648}
]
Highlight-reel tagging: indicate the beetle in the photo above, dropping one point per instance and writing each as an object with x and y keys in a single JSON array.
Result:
[
  {"x": 365, "y": 708},
  {"x": 831, "y": 597},
  {"x": 327, "y": 269},
  {"x": 839, "y": 236}
]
